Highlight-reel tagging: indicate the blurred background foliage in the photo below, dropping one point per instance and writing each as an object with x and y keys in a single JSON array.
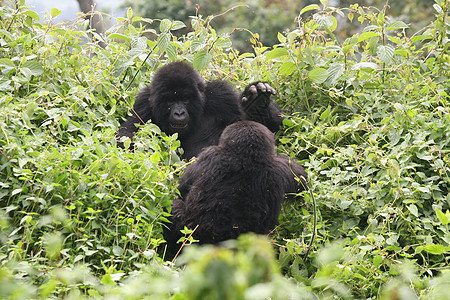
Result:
[{"x": 268, "y": 17}]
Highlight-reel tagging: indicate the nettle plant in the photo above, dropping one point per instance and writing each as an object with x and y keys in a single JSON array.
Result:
[{"x": 368, "y": 116}]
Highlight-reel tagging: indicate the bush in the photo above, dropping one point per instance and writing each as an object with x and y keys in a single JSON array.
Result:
[{"x": 368, "y": 117}]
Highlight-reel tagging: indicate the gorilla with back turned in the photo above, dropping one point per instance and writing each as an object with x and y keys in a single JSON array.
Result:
[
  {"x": 180, "y": 101},
  {"x": 234, "y": 187}
]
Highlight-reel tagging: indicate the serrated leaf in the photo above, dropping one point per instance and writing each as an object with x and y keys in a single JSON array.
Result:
[
  {"x": 164, "y": 25},
  {"x": 35, "y": 68},
  {"x": 367, "y": 35},
  {"x": 385, "y": 53},
  {"x": 287, "y": 68},
  {"x": 202, "y": 60},
  {"x": 318, "y": 75},
  {"x": 308, "y": 8},
  {"x": 163, "y": 41}
]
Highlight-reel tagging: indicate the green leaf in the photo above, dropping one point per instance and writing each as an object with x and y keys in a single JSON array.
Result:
[
  {"x": 326, "y": 113},
  {"x": 335, "y": 71},
  {"x": 281, "y": 38},
  {"x": 413, "y": 209},
  {"x": 129, "y": 13},
  {"x": 396, "y": 25},
  {"x": 367, "y": 35},
  {"x": 176, "y": 25},
  {"x": 35, "y": 68},
  {"x": 438, "y": 8},
  {"x": 107, "y": 280},
  {"x": 164, "y": 25},
  {"x": 202, "y": 60},
  {"x": 385, "y": 53},
  {"x": 318, "y": 75},
  {"x": 308, "y": 8},
  {"x": 377, "y": 260},
  {"x": 443, "y": 218},
  {"x": 365, "y": 65},
  {"x": 436, "y": 249},
  {"x": 163, "y": 41},
  {"x": 277, "y": 52},
  {"x": 119, "y": 36},
  {"x": 54, "y": 12},
  {"x": 287, "y": 68}
]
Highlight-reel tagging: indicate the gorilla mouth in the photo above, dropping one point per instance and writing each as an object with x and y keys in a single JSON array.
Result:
[{"x": 178, "y": 126}]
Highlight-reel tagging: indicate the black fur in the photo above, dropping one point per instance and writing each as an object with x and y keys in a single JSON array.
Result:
[
  {"x": 179, "y": 100},
  {"x": 234, "y": 187}
]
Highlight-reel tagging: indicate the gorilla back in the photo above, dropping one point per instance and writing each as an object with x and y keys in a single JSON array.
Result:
[{"x": 235, "y": 187}]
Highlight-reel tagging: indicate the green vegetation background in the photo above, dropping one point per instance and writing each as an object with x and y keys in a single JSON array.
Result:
[{"x": 367, "y": 114}]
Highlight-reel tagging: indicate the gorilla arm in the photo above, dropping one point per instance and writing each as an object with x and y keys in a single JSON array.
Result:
[
  {"x": 294, "y": 175},
  {"x": 258, "y": 107},
  {"x": 140, "y": 114}
]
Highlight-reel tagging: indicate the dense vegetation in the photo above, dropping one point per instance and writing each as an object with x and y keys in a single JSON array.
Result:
[{"x": 369, "y": 117}]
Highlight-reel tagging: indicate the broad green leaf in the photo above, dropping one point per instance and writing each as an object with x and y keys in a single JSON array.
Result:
[
  {"x": 443, "y": 218},
  {"x": 107, "y": 280},
  {"x": 277, "y": 52},
  {"x": 345, "y": 49},
  {"x": 335, "y": 71},
  {"x": 177, "y": 25},
  {"x": 281, "y": 38},
  {"x": 33, "y": 15},
  {"x": 35, "y": 68},
  {"x": 326, "y": 113},
  {"x": 413, "y": 209},
  {"x": 119, "y": 36},
  {"x": 164, "y": 25},
  {"x": 163, "y": 41},
  {"x": 287, "y": 68},
  {"x": 202, "y": 60},
  {"x": 365, "y": 65},
  {"x": 54, "y": 12},
  {"x": 367, "y": 35},
  {"x": 396, "y": 25},
  {"x": 438, "y": 8},
  {"x": 436, "y": 249},
  {"x": 385, "y": 53},
  {"x": 318, "y": 75},
  {"x": 308, "y": 8},
  {"x": 377, "y": 260}
]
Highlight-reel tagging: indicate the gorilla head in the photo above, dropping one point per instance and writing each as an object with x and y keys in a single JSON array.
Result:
[
  {"x": 249, "y": 140},
  {"x": 178, "y": 97}
]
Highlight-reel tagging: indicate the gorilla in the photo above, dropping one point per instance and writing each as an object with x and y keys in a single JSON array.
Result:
[
  {"x": 180, "y": 101},
  {"x": 234, "y": 187}
]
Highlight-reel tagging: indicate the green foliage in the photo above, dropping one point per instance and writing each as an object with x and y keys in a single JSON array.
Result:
[{"x": 369, "y": 117}]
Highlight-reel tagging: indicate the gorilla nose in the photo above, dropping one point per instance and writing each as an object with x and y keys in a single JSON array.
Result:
[{"x": 179, "y": 115}]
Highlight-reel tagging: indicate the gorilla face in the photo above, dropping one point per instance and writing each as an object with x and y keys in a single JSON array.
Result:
[{"x": 177, "y": 98}]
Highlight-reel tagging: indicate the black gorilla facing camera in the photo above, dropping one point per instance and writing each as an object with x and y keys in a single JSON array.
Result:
[
  {"x": 180, "y": 101},
  {"x": 234, "y": 187}
]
